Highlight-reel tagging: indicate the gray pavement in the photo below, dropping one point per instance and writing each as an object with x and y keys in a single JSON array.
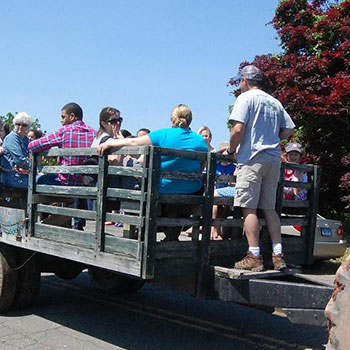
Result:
[{"x": 72, "y": 315}]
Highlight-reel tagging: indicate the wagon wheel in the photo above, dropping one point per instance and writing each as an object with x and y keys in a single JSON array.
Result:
[
  {"x": 28, "y": 279},
  {"x": 8, "y": 276},
  {"x": 113, "y": 283}
]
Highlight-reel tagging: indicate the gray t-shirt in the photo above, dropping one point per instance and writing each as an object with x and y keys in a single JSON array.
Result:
[{"x": 264, "y": 117}]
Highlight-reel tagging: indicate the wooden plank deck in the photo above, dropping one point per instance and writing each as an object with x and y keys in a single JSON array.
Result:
[
  {"x": 235, "y": 274},
  {"x": 323, "y": 279}
]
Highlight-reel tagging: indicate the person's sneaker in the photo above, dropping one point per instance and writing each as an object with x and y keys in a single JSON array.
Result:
[
  {"x": 278, "y": 261},
  {"x": 250, "y": 262}
]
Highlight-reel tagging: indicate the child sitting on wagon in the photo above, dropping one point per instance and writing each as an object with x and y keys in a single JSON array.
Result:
[
  {"x": 294, "y": 153},
  {"x": 223, "y": 189}
]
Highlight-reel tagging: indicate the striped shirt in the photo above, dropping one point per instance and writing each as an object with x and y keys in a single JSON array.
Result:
[{"x": 74, "y": 135}]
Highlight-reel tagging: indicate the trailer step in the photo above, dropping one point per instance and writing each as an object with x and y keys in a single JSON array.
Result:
[
  {"x": 235, "y": 274},
  {"x": 324, "y": 280}
]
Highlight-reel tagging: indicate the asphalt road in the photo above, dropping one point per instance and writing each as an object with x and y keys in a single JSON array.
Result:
[{"x": 73, "y": 315}]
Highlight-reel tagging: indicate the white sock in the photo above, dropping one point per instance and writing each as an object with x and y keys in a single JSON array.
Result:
[
  {"x": 277, "y": 248},
  {"x": 255, "y": 250}
]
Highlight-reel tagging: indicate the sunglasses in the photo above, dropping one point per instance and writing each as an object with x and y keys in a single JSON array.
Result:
[
  {"x": 22, "y": 125},
  {"x": 115, "y": 120}
]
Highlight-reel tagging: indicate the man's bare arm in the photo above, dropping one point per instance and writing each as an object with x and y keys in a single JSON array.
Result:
[
  {"x": 137, "y": 141},
  {"x": 285, "y": 134},
  {"x": 236, "y": 135}
]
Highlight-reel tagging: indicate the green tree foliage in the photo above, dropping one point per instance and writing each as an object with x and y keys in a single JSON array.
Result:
[{"x": 311, "y": 77}]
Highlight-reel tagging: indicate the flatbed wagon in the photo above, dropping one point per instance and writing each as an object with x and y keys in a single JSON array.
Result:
[{"x": 36, "y": 235}]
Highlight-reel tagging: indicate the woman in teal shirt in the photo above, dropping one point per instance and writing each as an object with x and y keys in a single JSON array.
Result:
[{"x": 179, "y": 136}]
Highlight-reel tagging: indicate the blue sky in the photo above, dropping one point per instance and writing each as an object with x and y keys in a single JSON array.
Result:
[{"x": 142, "y": 57}]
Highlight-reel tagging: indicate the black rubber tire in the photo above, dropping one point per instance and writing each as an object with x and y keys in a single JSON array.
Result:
[
  {"x": 113, "y": 283},
  {"x": 8, "y": 276},
  {"x": 69, "y": 270},
  {"x": 28, "y": 279}
]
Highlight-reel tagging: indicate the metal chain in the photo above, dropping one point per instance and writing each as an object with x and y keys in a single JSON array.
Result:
[
  {"x": 9, "y": 228},
  {"x": 16, "y": 223}
]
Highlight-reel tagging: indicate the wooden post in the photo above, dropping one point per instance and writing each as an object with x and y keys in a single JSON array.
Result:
[
  {"x": 101, "y": 202},
  {"x": 143, "y": 202},
  {"x": 144, "y": 186},
  {"x": 195, "y": 229},
  {"x": 207, "y": 218},
  {"x": 312, "y": 214},
  {"x": 280, "y": 187},
  {"x": 31, "y": 208},
  {"x": 151, "y": 213}
]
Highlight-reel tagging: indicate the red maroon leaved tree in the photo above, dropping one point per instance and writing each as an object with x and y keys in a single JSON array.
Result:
[{"x": 311, "y": 77}]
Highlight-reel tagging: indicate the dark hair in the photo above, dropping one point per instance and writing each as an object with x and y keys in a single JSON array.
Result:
[
  {"x": 6, "y": 129},
  {"x": 125, "y": 133},
  {"x": 37, "y": 133},
  {"x": 144, "y": 129},
  {"x": 75, "y": 109},
  {"x": 254, "y": 83},
  {"x": 105, "y": 115}
]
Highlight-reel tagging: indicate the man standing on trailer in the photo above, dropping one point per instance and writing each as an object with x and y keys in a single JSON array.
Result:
[
  {"x": 73, "y": 134},
  {"x": 259, "y": 122}
]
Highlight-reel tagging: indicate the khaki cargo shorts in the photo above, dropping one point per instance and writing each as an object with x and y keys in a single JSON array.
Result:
[{"x": 257, "y": 182}]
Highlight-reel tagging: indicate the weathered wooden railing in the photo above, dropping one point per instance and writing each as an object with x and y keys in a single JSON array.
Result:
[
  {"x": 299, "y": 212},
  {"x": 140, "y": 252},
  {"x": 298, "y": 250},
  {"x": 50, "y": 209}
]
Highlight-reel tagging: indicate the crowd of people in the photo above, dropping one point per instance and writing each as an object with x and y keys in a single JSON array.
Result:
[{"x": 258, "y": 124}]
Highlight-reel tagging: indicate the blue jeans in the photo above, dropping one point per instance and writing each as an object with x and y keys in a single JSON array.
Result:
[
  {"x": 14, "y": 179},
  {"x": 52, "y": 179},
  {"x": 228, "y": 191},
  {"x": 48, "y": 179}
]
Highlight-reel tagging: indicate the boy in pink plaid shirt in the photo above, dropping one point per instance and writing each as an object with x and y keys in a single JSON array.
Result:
[{"x": 74, "y": 134}]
